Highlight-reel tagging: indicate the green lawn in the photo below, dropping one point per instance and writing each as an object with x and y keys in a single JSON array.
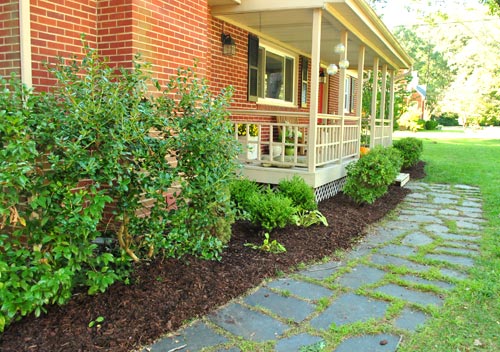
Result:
[{"x": 470, "y": 319}]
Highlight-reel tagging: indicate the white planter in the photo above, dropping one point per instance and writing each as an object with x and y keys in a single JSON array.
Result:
[{"x": 250, "y": 145}]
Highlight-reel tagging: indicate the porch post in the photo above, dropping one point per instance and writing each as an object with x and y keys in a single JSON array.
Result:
[
  {"x": 373, "y": 110},
  {"x": 313, "y": 106},
  {"x": 25, "y": 42},
  {"x": 383, "y": 95},
  {"x": 359, "y": 91},
  {"x": 341, "y": 113},
  {"x": 391, "y": 105}
]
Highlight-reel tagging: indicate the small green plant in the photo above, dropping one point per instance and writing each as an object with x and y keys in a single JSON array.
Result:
[
  {"x": 317, "y": 347},
  {"x": 369, "y": 178},
  {"x": 301, "y": 194},
  {"x": 271, "y": 210},
  {"x": 268, "y": 246},
  {"x": 411, "y": 150},
  {"x": 309, "y": 218},
  {"x": 97, "y": 322}
]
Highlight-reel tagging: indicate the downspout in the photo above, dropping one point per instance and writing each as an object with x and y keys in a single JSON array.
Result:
[
  {"x": 313, "y": 109},
  {"x": 25, "y": 42}
]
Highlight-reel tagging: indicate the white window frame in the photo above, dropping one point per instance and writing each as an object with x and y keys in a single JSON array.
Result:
[
  {"x": 267, "y": 47},
  {"x": 349, "y": 94}
]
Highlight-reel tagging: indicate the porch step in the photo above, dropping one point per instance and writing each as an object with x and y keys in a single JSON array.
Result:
[{"x": 402, "y": 179}]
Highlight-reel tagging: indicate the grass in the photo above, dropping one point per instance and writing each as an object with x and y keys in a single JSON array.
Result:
[{"x": 470, "y": 319}]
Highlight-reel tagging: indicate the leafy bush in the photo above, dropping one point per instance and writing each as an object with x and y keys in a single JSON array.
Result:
[
  {"x": 301, "y": 194},
  {"x": 271, "y": 210},
  {"x": 91, "y": 158},
  {"x": 242, "y": 190},
  {"x": 411, "y": 150},
  {"x": 447, "y": 119},
  {"x": 410, "y": 120},
  {"x": 431, "y": 125},
  {"x": 369, "y": 178}
]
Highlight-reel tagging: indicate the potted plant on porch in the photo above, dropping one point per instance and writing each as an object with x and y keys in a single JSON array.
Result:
[{"x": 248, "y": 136}]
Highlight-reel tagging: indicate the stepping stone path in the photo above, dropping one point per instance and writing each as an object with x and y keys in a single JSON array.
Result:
[{"x": 307, "y": 310}]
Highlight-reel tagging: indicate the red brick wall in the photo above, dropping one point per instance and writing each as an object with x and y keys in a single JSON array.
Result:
[
  {"x": 56, "y": 27},
  {"x": 10, "y": 58}
]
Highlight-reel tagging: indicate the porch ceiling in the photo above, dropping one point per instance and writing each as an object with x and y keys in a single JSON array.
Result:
[{"x": 290, "y": 23}]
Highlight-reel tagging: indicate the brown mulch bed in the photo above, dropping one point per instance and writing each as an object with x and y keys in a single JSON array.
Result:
[{"x": 165, "y": 293}]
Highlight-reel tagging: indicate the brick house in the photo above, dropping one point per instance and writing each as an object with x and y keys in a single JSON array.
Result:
[{"x": 280, "y": 59}]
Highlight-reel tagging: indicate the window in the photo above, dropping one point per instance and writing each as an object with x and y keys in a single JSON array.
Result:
[
  {"x": 271, "y": 73},
  {"x": 303, "y": 78},
  {"x": 349, "y": 94}
]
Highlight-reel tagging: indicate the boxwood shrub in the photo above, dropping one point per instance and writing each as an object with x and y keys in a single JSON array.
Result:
[
  {"x": 411, "y": 150},
  {"x": 369, "y": 178}
]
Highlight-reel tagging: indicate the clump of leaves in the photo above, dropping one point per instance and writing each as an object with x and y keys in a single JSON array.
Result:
[
  {"x": 369, "y": 178},
  {"x": 411, "y": 150},
  {"x": 270, "y": 209},
  {"x": 242, "y": 190},
  {"x": 301, "y": 194},
  {"x": 268, "y": 246},
  {"x": 309, "y": 218}
]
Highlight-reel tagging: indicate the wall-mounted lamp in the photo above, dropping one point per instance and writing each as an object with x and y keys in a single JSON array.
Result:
[
  {"x": 228, "y": 45},
  {"x": 343, "y": 63}
]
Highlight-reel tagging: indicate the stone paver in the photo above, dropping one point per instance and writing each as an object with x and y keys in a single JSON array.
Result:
[
  {"x": 193, "y": 337},
  {"x": 283, "y": 312},
  {"x": 417, "y": 239},
  {"x": 350, "y": 308},
  {"x": 247, "y": 323},
  {"x": 452, "y": 259},
  {"x": 301, "y": 289},
  {"x": 399, "y": 262},
  {"x": 410, "y": 319},
  {"x": 359, "y": 276},
  {"x": 423, "y": 298},
  {"x": 321, "y": 271},
  {"x": 295, "y": 343},
  {"x": 285, "y": 307},
  {"x": 419, "y": 280}
]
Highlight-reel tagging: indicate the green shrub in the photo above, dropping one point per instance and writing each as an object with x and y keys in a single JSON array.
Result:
[
  {"x": 447, "y": 119},
  {"x": 411, "y": 150},
  {"x": 271, "y": 210},
  {"x": 301, "y": 194},
  {"x": 242, "y": 190},
  {"x": 369, "y": 178},
  {"x": 98, "y": 144},
  {"x": 431, "y": 125}
]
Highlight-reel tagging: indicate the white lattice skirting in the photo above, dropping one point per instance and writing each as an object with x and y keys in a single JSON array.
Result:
[{"x": 329, "y": 190}]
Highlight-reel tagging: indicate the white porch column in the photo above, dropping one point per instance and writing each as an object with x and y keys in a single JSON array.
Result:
[
  {"x": 314, "y": 89},
  {"x": 359, "y": 91},
  {"x": 383, "y": 105},
  {"x": 25, "y": 42},
  {"x": 391, "y": 104},
  {"x": 373, "y": 110},
  {"x": 342, "y": 76}
]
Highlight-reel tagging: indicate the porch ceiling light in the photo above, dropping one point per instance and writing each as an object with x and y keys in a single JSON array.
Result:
[
  {"x": 332, "y": 69},
  {"x": 343, "y": 64},
  {"x": 339, "y": 48},
  {"x": 228, "y": 45}
]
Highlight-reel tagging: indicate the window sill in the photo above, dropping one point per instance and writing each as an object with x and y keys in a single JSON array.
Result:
[{"x": 276, "y": 102}]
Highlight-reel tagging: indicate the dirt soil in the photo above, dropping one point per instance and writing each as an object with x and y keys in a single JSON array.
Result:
[{"x": 165, "y": 293}]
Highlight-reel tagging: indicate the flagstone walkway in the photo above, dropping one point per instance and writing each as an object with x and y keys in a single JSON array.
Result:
[{"x": 388, "y": 286}]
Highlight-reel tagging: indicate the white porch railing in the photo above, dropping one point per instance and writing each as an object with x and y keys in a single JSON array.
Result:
[{"x": 287, "y": 144}]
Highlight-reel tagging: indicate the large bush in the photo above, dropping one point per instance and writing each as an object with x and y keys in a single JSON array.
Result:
[
  {"x": 369, "y": 178},
  {"x": 411, "y": 150},
  {"x": 87, "y": 164}
]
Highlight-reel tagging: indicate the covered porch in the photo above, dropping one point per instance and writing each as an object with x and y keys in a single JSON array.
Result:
[{"x": 314, "y": 142}]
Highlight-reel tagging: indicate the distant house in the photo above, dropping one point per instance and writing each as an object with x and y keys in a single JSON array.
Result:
[
  {"x": 278, "y": 55},
  {"x": 418, "y": 95}
]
